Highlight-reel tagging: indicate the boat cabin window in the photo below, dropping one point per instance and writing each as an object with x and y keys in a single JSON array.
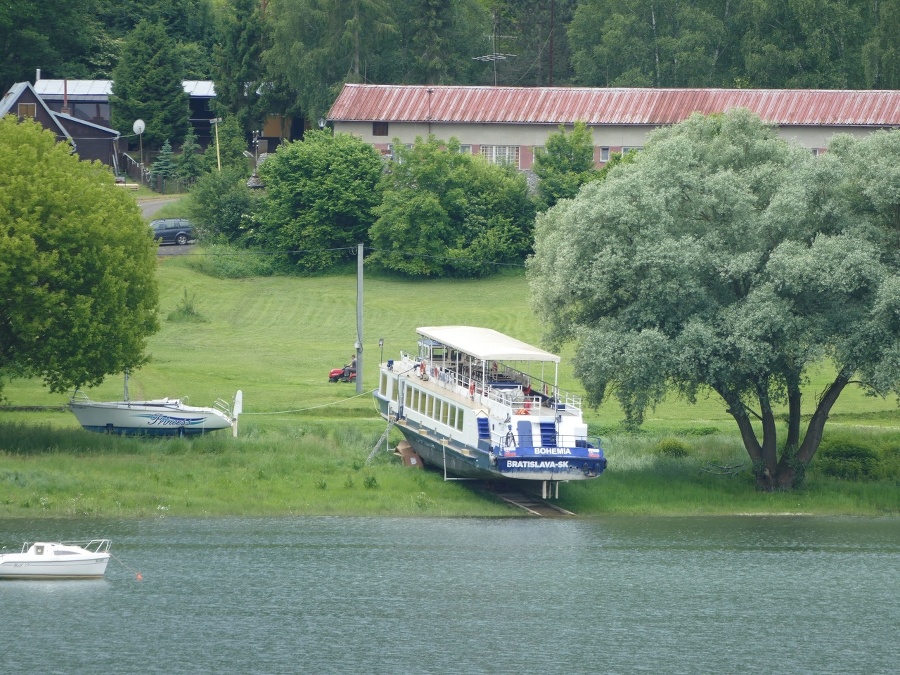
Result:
[{"x": 39, "y": 550}]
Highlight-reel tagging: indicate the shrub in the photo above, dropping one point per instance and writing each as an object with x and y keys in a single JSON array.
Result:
[
  {"x": 889, "y": 467},
  {"x": 224, "y": 261},
  {"x": 187, "y": 310},
  {"x": 672, "y": 447},
  {"x": 848, "y": 461}
]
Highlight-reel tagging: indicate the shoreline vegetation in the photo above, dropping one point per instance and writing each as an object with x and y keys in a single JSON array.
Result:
[{"x": 303, "y": 442}]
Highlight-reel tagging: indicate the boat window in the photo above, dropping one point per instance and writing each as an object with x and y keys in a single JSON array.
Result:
[
  {"x": 445, "y": 413},
  {"x": 459, "y": 420},
  {"x": 452, "y": 421},
  {"x": 394, "y": 389},
  {"x": 383, "y": 383},
  {"x": 39, "y": 550}
]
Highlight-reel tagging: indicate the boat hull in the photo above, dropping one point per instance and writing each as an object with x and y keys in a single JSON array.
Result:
[
  {"x": 153, "y": 418},
  {"x": 57, "y": 560},
  {"x": 467, "y": 462},
  {"x": 87, "y": 568}
]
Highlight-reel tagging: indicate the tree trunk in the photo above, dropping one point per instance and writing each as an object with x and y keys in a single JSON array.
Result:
[
  {"x": 792, "y": 466},
  {"x": 765, "y": 470}
]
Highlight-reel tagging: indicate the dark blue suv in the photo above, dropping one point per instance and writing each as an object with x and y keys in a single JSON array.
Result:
[{"x": 173, "y": 230}]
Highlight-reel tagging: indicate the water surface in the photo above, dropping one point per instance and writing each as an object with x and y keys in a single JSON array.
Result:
[{"x": 383, "y": 595}]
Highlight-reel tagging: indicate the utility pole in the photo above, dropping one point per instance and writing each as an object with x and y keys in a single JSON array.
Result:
[{"x": 359, "y": 318}]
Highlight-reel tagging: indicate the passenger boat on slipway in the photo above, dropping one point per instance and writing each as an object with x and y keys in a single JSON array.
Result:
[{"x": 479, "y": 404}]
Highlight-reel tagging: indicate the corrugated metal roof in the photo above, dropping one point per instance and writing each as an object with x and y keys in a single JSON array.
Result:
[
  {"x": 564, "y": 105},
  {"x": 53, "y": 90},
  {"x": 200, "y": 88},
  {"x": 89, "y": 90}
]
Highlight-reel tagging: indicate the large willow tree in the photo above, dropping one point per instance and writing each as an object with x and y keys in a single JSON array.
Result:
[{"x": 724, "y": 259}]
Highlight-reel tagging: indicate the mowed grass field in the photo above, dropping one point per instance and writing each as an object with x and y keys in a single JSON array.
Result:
[{"x": 304, "y": 441}]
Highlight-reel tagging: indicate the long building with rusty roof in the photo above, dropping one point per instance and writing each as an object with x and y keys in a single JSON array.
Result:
[{"x": 506, "y": 124}]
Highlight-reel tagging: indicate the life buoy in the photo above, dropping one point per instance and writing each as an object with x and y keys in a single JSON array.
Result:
[{"x": 521, "y": 411}]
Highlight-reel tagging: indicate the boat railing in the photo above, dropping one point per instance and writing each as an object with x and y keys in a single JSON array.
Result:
[
  {"x": 79, "y": 396},
  {"x": 223, "y": 407},
  {"x": 507, "y": 386},
  {"x": 97, "y": 546},
  {"x": 94, "y": 545}
]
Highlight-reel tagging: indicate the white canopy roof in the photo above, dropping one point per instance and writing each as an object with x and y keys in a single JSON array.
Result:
[{"x": 486, "y": 344}]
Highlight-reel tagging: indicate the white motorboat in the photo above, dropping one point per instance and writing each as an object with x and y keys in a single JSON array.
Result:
[
  {"x": 474, "y": 402},
  {"x": 57, "y": 560},
  {"x": 157, "y": 417}
]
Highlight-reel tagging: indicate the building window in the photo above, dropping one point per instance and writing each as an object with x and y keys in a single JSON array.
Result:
[
  {"x": 626, "y": 149},
  {"x": 379, "y": 128},
  {"x": 27, "y": 110},
  {"x": 501, "y": 154},
  {"x": 604, "y": 154},
  {"x": 465, "y": 149}
]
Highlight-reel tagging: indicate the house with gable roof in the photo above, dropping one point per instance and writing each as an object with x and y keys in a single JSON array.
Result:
[
  {"x": 91, "y": 141},
  {"x": 507, "y": 124}
]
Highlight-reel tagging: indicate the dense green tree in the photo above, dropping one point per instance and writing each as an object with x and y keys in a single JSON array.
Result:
[
  {"x": 148, "y": 85},
  {"x": 227, "y": 148},
  {"x": 317, "y": 45},
  {"x": 164, "y": 166},
  {"x": 189, "y": 164},
  {"x": 223, "y": 207},
  {"x": 801, "y": 43},
  {"x": 238, "y": 69},
  {"x": 40, "y": 35},
  {"x": 648, "y": 43},
  {"x": 533, "y": 33},
  {"x": 881, "y": 52},
  {"x": 321, "y": 193},
  {"x": 447, "y": 213},
  {"x": 438, "y": 41},
  {"x": 565, "y": 164},
  {"x": 724, "y": 260},
  {"x": 78, "y": 295}
]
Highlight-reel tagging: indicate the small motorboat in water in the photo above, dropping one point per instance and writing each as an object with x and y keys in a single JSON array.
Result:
[{"x": 57, "y": 560}]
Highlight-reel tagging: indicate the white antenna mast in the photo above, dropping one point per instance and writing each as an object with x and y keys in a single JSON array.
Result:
[{"x": 494, "y": 56}]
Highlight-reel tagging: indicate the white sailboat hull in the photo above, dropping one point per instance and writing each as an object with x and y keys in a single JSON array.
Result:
[
  {"x": 160, "y": 417},
  {"x": 48, "y": 560}
]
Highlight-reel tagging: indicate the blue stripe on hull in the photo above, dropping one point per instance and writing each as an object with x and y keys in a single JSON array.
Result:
[{"x": 145, "y": 431}]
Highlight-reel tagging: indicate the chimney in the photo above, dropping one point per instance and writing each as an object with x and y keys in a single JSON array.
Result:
[
  {"x": 65, "y": 106},
  {"x": 37, "y": 75}
]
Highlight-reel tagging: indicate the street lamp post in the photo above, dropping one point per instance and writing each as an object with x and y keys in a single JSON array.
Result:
[{"x": 215, "y": 122}]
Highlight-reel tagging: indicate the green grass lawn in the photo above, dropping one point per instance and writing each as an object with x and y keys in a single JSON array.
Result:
[{"x": 277, "y": 338}]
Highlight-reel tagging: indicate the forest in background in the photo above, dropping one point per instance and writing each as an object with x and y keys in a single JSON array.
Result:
[{"x": 292, "y": 56}]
